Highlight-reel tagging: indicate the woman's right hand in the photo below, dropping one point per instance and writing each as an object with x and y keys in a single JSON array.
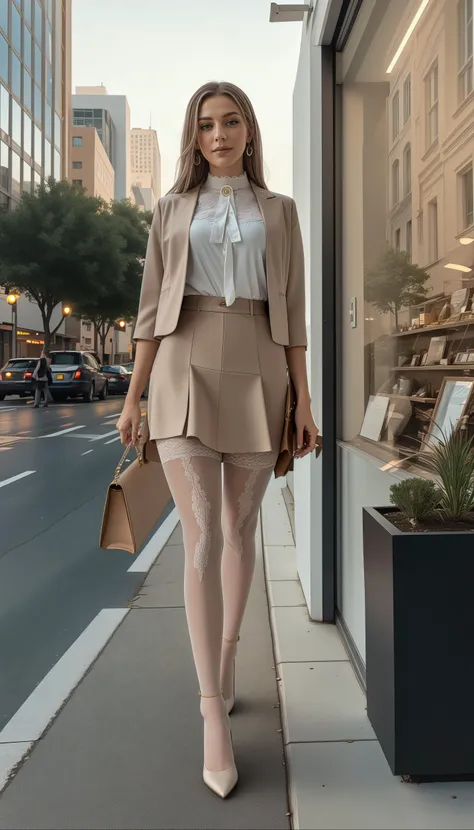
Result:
[{"x": 129, "y": 423}]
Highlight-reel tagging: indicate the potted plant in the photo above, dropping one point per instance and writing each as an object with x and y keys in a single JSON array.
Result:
[{"x": 419, "y": 595}]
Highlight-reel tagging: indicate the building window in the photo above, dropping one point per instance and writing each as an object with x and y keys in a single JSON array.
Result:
[
  {"x": 4, "y": 165},
  {"x": 397, "y": 241},
  {"x": 4, "y": 15},
  {"x": 432, "y": 105},
  {"x": 465, "y": 80},
  {"x": 78, "y": 182},
  {"x": 27, "y": 133},
  {"x": 77, "y": 165},
  {"x": 408, "y": 244},
  {"x": 395, "y": 182},
  {"x": 77, "y": 141},
  {"x": 407, "y": 170},
  {"x": 395, "y": 115},
  {"x": 407, "y": 99},
  {"x": 433, "y": 253},
  {"x": 467, "y": 197}
]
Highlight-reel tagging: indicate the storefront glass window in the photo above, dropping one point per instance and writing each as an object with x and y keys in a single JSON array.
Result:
[{"x": 407, "y": 216}]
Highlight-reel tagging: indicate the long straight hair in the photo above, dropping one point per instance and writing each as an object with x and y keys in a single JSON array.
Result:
[{"x": 190, "y": 175}]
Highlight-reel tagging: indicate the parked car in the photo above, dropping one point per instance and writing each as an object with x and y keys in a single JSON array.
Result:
[
  {"x": 118, "y": 377},
  {"x": 77, "y": 374},
  {"x": 16, "y": 377}
]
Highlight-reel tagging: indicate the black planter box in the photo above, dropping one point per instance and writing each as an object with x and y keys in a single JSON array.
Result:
[{"x": 419, "y": 600}]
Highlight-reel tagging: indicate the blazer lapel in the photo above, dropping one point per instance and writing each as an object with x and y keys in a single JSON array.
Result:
[
  {"x": 185, "y": 205},
  {"x": 270, "y": 207}
]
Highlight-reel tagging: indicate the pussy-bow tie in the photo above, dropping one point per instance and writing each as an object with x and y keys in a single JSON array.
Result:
[{"x": 226, "y": 227}]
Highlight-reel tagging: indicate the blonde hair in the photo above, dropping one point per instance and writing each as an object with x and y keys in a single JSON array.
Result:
[{"x": 190, "y": 175}]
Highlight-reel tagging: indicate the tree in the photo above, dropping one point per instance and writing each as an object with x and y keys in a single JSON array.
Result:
[
  {"x": 120, "y": 299},
  {"x": 60, "y": 245},
  {"x": 395, "y": 283}
]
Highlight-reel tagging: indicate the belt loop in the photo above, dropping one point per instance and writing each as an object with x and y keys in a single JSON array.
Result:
[{"x": 251, "y": 307}]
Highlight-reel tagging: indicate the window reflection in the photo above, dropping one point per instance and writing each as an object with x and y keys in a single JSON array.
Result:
[
  {"x": 27, "y": 178},
  {"x": 16, "y": 123},
  {"x": 27, "y": 100},
  {"x": 47, "y": 159},
  {"x": 407, "y": 155},
  {"x": 3, "y": 59},
  {"x": 27, "y": 133},
  {"x": 27, "y": 47},
  {"x": 38, "y": 148},
  {"x": 16, "y": 29},
  {"x": 4, "y": 165},
  {"x": 4, "y": 110},
  {"x": 4, "y": 15},
  {"x": 16, "y": 76},
  {"x": 16, "y": 176}
]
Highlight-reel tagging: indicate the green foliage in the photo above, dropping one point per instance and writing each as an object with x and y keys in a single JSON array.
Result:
[
  {"x": 395, "y": 283},
  {"x": 61, "y": 245},
  {"x": 416, "y": 498},
  {"x": 451, "y": 459}
]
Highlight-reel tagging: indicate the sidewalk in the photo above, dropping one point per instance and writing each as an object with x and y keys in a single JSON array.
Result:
[
  {"x": 339, "y": 778},
  {"x": 126, "y": 749}
]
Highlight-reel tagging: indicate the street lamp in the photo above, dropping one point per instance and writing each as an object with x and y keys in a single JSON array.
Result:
[
  {"x": 66, "y": 310},
  {"x": 12, "y": 300}
]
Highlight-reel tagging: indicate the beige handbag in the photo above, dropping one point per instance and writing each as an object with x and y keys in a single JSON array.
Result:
[
  {"x": 285, "y": 458},
  {"x": 135, "y": 500}
]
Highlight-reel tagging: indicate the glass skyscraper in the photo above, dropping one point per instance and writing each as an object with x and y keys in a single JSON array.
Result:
[{"x": 34, "y": 94}]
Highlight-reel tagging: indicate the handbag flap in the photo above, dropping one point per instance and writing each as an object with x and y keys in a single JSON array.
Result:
[{"x": 146, "y": 494}]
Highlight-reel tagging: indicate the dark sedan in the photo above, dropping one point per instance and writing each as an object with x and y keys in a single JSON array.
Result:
[
  {"x": 118, "y": 377},
  {"x": 16, "y": 377}
]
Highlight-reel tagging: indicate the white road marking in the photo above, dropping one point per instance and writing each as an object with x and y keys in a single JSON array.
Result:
[
  {"x": 152, "y": 550},
  {"x": 113, "y": 439},
  {"x": 106, "y": 423},
  {"x": 8, "y": 408},
  {"x": 32, "y": 718},
  {"x": 105, "y": 435},
  {"x": 62, "y": 432},
  {"x": 87, "y": 435},
  {"x": 115, "y": 415},
  {"x": 87, "y": 452},
  {"x": 16, "y": 478}
]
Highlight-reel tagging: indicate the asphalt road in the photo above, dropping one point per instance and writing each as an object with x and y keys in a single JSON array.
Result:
[{"x": 55, "y": 465}]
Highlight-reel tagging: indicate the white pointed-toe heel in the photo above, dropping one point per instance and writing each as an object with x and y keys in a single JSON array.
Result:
[
  {"x": 230, "y": 701},
  {"x": 222, "y": 781}
]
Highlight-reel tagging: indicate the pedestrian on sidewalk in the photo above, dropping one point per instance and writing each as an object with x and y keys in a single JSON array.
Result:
[
  {"x": 221, "y": 320},
  {"x": 43, "y": 379}
]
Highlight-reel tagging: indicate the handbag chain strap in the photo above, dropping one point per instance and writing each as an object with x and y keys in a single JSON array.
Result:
[{"x": 119, "y": 466}]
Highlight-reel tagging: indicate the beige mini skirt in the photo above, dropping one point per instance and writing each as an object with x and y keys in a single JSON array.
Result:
[{"x": 220, "y": 377}]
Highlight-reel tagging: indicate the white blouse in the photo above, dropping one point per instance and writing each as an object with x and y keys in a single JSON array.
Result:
[{"x": 227, "y": 242}]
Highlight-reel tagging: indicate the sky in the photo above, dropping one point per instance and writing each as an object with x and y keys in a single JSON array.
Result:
[{"x": 158, "y": 52}]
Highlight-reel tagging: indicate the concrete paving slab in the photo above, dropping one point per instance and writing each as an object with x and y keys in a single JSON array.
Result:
[
  {"x": 280, "y": 562},
  {"x": 176, "y": 537},
  {"x": 285, "y": 592},
  {"x": 298, "y": 639},
  {"x": 163, "y": 587},
  {"x": 126, "y": 751},
  {"x": 349, "y": 786},
  {"x": 323, "y": 702}
]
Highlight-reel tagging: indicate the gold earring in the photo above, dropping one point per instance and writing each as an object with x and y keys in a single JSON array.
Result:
[
  {"x": 197, "y": 159},
  {"x": 249, "y": 150}
]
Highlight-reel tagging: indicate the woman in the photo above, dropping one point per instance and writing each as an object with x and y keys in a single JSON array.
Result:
[{"x": 222, "y": 315}]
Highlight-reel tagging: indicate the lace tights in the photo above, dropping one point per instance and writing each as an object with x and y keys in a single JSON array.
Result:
[{"x": 218, "y": 497}]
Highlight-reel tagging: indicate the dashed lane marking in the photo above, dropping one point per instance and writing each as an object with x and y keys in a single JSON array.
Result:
[
  {"x": 87, "y": 452},
  {"x": 113, "y": 439},
  {"x": 62, "y": 432},
  {"x": 16, "y": 478},
  {"x": 105, "y": 435}
]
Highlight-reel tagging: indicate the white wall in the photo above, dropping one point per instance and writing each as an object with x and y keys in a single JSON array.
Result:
[{"x": 307, "y": 193}]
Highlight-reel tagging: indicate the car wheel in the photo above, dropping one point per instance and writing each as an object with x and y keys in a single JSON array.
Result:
[
  {"x": 89, "y": 395},
  {"x": 104, "y": 392}
]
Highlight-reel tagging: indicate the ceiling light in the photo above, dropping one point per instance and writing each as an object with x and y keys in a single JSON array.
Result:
[
  {"x": 453, "y": 266},
  {"x": 407, "y": 35},
  {"x": 281, "y": 13},
  {"x": 466, "y": 240}
]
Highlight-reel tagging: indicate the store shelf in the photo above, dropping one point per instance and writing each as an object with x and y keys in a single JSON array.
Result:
[
  {"x": 452, "y": 367},
  {"x": 414, "y": 398},
  {"x": 460, "y": 324}
]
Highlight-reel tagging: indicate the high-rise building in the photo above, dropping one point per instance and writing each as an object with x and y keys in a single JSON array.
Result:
[
  {"x": 110, "y": 115},
  {"x": 35, "y": 83},
  {"x": 145, "y": 165},
  {"x": 89, "y": 166}
]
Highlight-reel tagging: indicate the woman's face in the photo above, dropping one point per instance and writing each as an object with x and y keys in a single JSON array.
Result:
[{"x": 222, "y": 135}]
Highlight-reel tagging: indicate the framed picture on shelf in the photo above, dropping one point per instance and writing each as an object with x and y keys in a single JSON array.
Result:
[
  {"x": 464, "y": 357},
  {"x": 453, "y": 403},
  {"x": 458, "y": 356},
  {"x": 374, "y": 418},
  {"x": 424, "y": 358},
  {"x": 470, "y": 356},
  {"x": 415, "y": 361},
  {"x": 436, "y": 350},
  {"x": 459, "y": 301}
]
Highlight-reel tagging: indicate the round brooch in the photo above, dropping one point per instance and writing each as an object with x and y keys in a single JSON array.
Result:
[{"x": 226, "y": 190}]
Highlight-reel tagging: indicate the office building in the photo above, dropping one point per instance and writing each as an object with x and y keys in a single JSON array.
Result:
[
  {"x": 90, "y": 166},
  {"x": 110, "y": 115},
  {"x": 145, "y": 166},
  {"x": 35, "y": 102}
]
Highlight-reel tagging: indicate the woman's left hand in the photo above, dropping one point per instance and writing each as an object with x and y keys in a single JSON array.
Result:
[{"x": 306, "y": 430}]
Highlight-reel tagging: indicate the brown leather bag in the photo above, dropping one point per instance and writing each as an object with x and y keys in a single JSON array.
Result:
[
  {"x": 135, "y": 500},
  {"x": 285, "y": 459}
]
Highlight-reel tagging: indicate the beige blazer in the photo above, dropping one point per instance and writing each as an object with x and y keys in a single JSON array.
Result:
[{"x": 164, "y": 275}]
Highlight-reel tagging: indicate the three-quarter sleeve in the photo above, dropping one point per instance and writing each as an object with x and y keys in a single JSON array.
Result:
[
  {"x": 295, "y": 292},
  {"x": 151, "y": 283}
]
